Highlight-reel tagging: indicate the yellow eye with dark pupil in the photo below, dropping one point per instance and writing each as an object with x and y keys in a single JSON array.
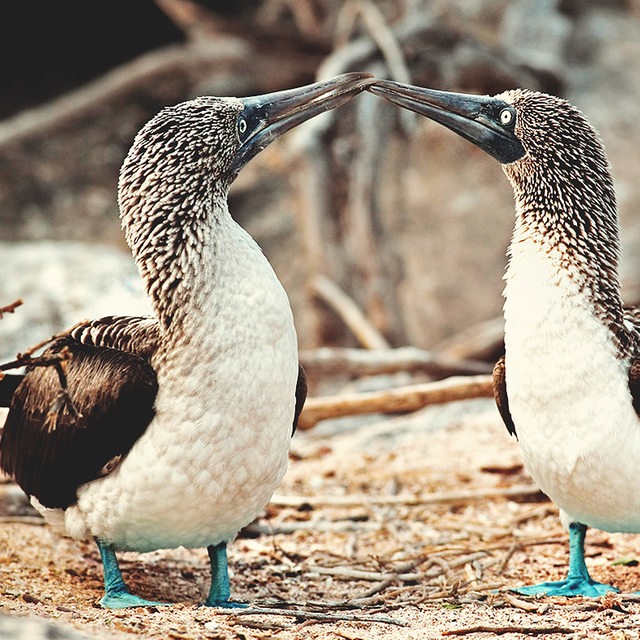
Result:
[{"x": 506, "y": 116}]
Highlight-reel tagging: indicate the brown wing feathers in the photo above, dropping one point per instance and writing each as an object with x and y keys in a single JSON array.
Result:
[
  {"x": 113, "y": 391},
  {"x": 500, "y": 395},
  {"x": 301, "y": 396}
]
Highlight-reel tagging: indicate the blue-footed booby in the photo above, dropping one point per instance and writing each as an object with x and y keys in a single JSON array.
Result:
[
  {"x": 569, "y": 383},
  {"x": 181, "y": 422}
]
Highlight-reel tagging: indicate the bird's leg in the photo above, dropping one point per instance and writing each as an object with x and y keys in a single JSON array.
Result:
[
  {"x": 220, "y": 591},
  {"x": 578, "y": 581},
  {"x": 116, "y": 594}
]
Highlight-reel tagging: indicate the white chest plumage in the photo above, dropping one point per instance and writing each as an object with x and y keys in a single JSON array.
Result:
[
  {"x": 217, "y": 447},
  {"x": 568, "y": 393}
]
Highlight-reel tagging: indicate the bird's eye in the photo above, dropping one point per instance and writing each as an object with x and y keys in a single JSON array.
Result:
[
  {"x": 242, "y": 126},
  {"x": 506, "y": 116}
]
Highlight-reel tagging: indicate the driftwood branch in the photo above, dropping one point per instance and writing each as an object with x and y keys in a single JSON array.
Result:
[
  {"x": 396, "y": 400},
  {"x": 502, "y": 630},
  {"x": 371, "y": 362}
]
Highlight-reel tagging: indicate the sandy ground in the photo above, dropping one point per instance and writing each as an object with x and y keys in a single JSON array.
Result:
[{"x": 391, "y": 529}]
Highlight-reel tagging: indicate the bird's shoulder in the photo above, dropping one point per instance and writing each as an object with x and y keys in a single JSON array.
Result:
[
  {"x": 139, "y": 335},
  {"x": 54, "y": 439}
]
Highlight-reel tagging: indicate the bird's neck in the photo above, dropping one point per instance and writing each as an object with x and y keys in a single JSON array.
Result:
[
  {"x": 566, "y": 241},
  {"x": 186, "y": 257}
]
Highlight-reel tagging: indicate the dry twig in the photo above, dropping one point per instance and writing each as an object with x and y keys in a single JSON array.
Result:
[
  {"x": 518, "y": 603},
  {"x": 62, "y": 402},
  {"x": 500, "y": 630}
]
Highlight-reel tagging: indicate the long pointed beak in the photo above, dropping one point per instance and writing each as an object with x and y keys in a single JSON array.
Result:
[
  {"x": 270, "y": 115},
  {"x": 475, "y": 118}
]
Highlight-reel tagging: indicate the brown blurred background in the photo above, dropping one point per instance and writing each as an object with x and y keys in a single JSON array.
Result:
[{"x": 407, "y": 219}]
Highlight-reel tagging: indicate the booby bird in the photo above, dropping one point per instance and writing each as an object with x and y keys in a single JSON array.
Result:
[
  {"x": 182, "y": 421},
  {"x": 568, "y": 385}
]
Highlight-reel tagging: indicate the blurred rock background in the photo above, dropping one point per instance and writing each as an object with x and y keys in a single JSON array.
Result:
[{"x": 407, "y": 219}]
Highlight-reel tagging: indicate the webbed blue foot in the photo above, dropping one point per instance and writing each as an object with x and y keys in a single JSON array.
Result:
[
  {"x": 116, "y": 594},
  {"x": 126, "y": 600},
  {"x": 578, "y": 581},
  {"x": 220, "y": 590},
  {"x": 569, "y": 587}
]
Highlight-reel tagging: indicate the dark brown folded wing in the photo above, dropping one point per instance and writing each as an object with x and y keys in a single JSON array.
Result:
[
  {"x": 500, "y": 395},
  {"x": 111, "y": 384},
  {"x": 301, "y": 396}
]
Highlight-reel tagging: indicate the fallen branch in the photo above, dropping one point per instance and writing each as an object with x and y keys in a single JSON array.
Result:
[
  {"x": 443, "y": 497},
  {"x": 305, "y": 614},
  {"x": 371, "y": 362},
  {"x": 396, "y": 400},
  {"x": 57, "y": 360},
  {"x": 524, "y": 605},
  {"x": 530, "y": 631},
  {"x": 329, "y": 292}
]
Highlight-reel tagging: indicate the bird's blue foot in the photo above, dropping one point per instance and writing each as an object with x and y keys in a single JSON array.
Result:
[
  {"x": 126, "y": 600},
  {"x": 116, "y": 594},
  {"x": 568, "y": 587},
  {"x": 578, "y": 581},
  {"x": 220, "y": 590}
]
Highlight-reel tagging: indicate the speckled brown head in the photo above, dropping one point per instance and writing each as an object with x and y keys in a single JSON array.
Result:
[
  {"x": 558, "y": 169},
  {"x": 188, "y": 155},
  {"x": 174, "y": 181}
]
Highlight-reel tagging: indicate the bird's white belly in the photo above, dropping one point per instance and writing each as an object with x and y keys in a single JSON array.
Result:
[
  {"x": 218, "y": 447},
  {"x": 199, "y": 473},
  {"x": 570, "y": 401}
]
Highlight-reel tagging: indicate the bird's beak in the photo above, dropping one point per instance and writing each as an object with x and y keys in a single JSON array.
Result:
[
  {"x": 270, "y": 115},
  {"x": 470, "y": 116}
]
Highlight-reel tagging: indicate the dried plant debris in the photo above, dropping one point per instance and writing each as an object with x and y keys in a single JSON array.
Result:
[{"x": 321, "y": 564}]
